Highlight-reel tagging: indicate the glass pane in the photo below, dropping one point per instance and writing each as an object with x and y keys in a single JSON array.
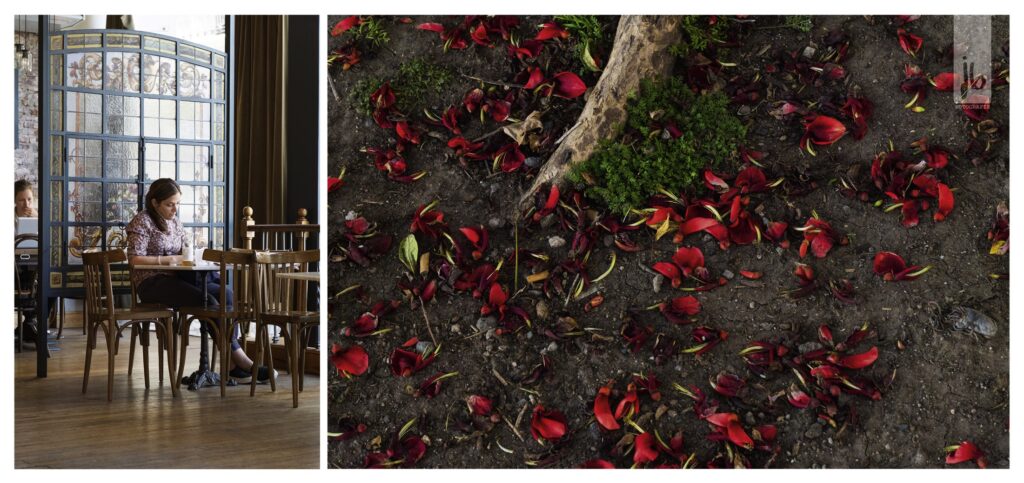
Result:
[
  {"x": 203, "y": 55},
  {"x": 193, "y": 163},
  {"x": 122, "y": 160},
  {"x": 195, "y": 120},
  {"x": 160, "y": 160},
  {"x": 195, "y": 202},
  {"x": 80, "y": 41},
  {"x": 116, "y": 238},
  {"x": 56, "y": 42},
  {"x": 85, "y": 200},
  {"x": 56, "y": 155},
  {"x": 218, "y": 238},
  {"x": 219, "y": 86},
  {"x": 56, "y": 245},
  {"x": 122, "y": 40},
  {"x": 56, "y": 111},
  {"x": 151, "y": 43},
  {"x": 122, "y": 202},
  {"x": 159, "y": 76},
  {"x": 218, "y": 204},
  {"x": 167, "y": 46},
  {"x": 219, "y": 61},
  {"x": 195, "y": 81},
  {"x": 218, "y": 122},
  {"x": 56, "y": 70},
  {"x": 200, "y": 236},
  {"x": 81, "y": 238},
  {"x": 161, "y": 118},
  {"x": 85, "y": 70},
  {"x": 84, "y": 158},
  {"x": 218, "y": 163},
  {"x": 123, "y": 115},
  {"x": 122, "y": 72},
  {"x": 84, "y": 112},
  {"x": 57, "y": 206}
]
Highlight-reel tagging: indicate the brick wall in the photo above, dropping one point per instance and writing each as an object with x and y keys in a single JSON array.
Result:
[{"x": 26, "y": 161}]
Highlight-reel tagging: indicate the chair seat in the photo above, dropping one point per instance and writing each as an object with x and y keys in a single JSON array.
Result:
[
  {"x": 301, "y": 316},
  {"x": 214, "y": 311},
  {"x": 134, "y": 314}
]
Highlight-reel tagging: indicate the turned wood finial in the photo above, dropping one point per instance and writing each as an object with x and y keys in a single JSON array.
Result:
[
  {"x": 302, "y": 217},
  {"x": 247, "y": 221}
]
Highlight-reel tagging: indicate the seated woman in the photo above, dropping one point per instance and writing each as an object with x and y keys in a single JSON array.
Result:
[{"x": 156, "y": 237}]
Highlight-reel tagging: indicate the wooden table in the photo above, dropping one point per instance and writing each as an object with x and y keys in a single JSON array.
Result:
[{"x": 202, "y": 377}]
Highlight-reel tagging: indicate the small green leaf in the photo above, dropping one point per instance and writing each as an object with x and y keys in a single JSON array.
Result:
[{"x": 409, "y": 252}]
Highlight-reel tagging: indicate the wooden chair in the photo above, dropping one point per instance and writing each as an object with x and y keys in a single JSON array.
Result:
[
  {"x": 222, "y": 318},
  {"x": 99, "y": 304},
  {"x": 142, "y": 332},
  {"x": 274, "y": 306}
]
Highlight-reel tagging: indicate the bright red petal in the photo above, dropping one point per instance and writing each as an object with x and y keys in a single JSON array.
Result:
[
  {"x": 568, "y": 85},
  {"x": 603, "y": 409},
  {"x": 496, "y": 296},
  {"x": 670, "y": 271},
  {"x": 686, "y": 304},
  {"x": 945, "y": 82},
  {"x": 549, "y": 425},
  {"x": 825, "y": 130},
  {"x": 860, "y": 361},
  {"x": 945, "y": 202},
  {"x": 345, "y": 24},
  {"x": 353, "y": 360},
  {"x": 646, "y": 448},
  {"x": 689, "y": 257},
  {"x": 433, "y": 27},
  {"x": 889, "y": 263}
]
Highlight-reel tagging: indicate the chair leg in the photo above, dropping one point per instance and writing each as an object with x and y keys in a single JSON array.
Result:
[
  {"x": 169, "y": 346},
  {"x": 223, "y": 342},
  {"x": 60, "y": 317},
  {"x": 131, "y": 350},
  {"x": 270, "y": 357},
  {"x": 294, "y": 367},
  {"x": 111, "y": 352},
  {"x": 89, "y": 344},
  {"x": 258, "y": 362},
  {"x": 144, "y": 336},
  {"x": 183, "y": 342},
  {"x": 160, "y": 352}
]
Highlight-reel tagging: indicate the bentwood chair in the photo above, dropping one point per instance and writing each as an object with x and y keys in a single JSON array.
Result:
[
  {"x": 102, "y": 314},
  {"x": 275, "y": 305},
  {"x": 142, "y": 332},
  {"x": 222, "y": 318}
]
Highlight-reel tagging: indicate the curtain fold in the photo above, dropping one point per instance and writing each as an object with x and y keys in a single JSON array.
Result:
[{"x": 260, "y": 167}]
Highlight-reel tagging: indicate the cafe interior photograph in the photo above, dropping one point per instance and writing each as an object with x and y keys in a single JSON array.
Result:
[{"x": 167, "y": 292}]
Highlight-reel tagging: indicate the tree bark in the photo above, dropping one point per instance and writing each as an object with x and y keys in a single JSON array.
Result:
[{"x": 640, "y": 51}]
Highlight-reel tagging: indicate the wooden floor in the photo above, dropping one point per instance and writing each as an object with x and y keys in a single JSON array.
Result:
[{"x": 56, "y": 426}]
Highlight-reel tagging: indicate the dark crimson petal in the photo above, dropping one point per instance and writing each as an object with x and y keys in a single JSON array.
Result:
[
  {"x": 568, "y": 85},
  {"x": 433, "y": 27},
  {"x": 688, "y": 257},
  {"x": 497, "y": 296},
  {"x": 536, "y": 78},
  {"x": 976, "y": 107},
  {"x": 825, "y": 130},
  {"x": 945, "y": 82},
  {"x": 910, "y": 210},
  {"x": 597, "y": 464},
  {"x": 334, "y": 184},
  {"x": 909, "y": 42},
  {"x": 888, "y": 264},
  {"x": 548, "y": 425},
  {"x": 686, "y": 304},
  {"x": 479, "y": 405}
]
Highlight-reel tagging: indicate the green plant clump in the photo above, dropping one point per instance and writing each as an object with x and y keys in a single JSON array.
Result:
[
  {"x": 414, "y": 84},
  {"x": 800, "y": 23},
  {"x": 370, "y": 31},
  {"x": 624, "y": 172},
  {"x": 585, "y": 30}
]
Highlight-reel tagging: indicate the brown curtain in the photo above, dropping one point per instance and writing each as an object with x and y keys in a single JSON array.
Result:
[{"x": 260, "y": 174}]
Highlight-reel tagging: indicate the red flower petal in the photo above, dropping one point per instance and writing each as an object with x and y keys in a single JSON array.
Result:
[
  {"x": 820, "y": 245},
  {"x": 860, "y": 361},
  {"x": 670, "y": 271},
  {"x": 334, "y": 184},
  {"x": 909, "y": 42},
  {"x": 536, "y": 78},
  {"x": 406, "y": 132},
  {"x": 345, "y": 24},
  {"x": 496, "y": 297},
  {"x": 945, "y": 202},
  {"x": 353, "y": 360},
  {"x": 686, "y": 304},
  {"x": 433, "y": 27},
  {"x": 551, "y": 30},
  {"x": 597, "y": 464},
  {"x": 976, "y": 107},
  {"x": 603, "y": 409},
  {"x": 510, "y": 157},
  {"x": 825, "y": 130},
  {"x": 688, "y": 257},
  {"x": 888, "y": 264},
  {"x": 945, "y": 82},
  {"x": 383, "y": 97},
  {"x": 549, "y": 425},
  {"x": 646, "y": 449},
  {"x": 479, "y": 405},
  {"x": 750, "y": 275},
  {"x": 568, "y": 85},
  {"x": 966, "y": 451}
]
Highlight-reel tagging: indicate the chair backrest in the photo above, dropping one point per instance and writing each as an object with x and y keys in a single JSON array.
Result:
[
  {"x": 242, "y": 264},
  {"x": 279, "y": 237},
  {"x": 99, "y": 291},
  {"x": 274, "y": 293}
]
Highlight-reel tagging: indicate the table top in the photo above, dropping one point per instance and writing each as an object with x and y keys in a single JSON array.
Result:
[
  {"x": 201, "y": 266},
  {"x": 305, "y": 276}
]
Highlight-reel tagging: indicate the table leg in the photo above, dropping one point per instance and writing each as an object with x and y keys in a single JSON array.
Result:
[{"x": 204, "y": 377}]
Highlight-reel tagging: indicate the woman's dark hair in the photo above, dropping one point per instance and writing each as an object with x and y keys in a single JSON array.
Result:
[
  {"x": 22, "y": 185},
  {"x": 159, "y": 191}
]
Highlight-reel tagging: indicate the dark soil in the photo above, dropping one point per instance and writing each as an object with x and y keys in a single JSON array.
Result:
[{"x": 942, "y": 388}]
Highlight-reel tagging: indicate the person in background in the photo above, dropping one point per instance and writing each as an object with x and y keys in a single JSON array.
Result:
[
  {"x": 24, "y": 206},
  {"x": 156, "y": 237}
]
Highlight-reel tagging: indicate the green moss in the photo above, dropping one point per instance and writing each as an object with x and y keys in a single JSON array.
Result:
[
  {"x": 800, "y": 23},
  {"x": 414, "y": 84},
  {"x": 698, "y": 33},
  {"x": 370, "y": 32},
  {"x": 627, "y": 170}
]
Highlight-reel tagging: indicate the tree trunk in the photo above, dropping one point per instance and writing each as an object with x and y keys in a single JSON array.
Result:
[{"x": 640, "y": 51}]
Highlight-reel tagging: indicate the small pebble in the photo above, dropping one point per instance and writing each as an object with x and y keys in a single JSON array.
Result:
[
  {"x": 728, "y": 274},
  {"x": 556, "y": 242},
  {"x": 656, "y": 283},
  {"x": 495, "y": 223},
  {"x": 542, "y": 310}
]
